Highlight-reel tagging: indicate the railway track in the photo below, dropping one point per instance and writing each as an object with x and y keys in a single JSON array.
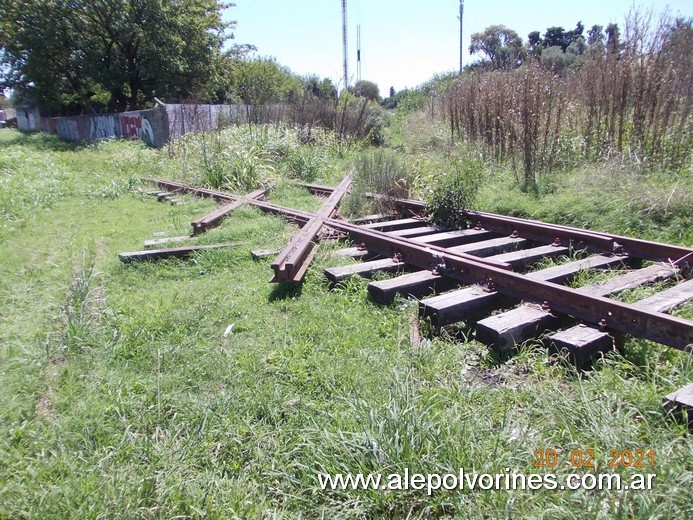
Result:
[{"x": 487, "y": 276}]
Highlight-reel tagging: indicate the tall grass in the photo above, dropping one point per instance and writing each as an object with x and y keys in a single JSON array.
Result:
[
  {"x": 80, "y": 312},
  {"x": 241, "y": 158},
  {"x": 633, "y": 98},
  {"x": 380, "y": 171},
  {"x": 351, "y": 121}
]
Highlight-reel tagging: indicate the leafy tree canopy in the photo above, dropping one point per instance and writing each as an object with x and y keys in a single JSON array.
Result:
[
  {"x": 595, "y": 35},
  {"x": 320, "y": 88},
  {"x": 534, "y": 38},
  {"x": 76, "y": 55},
  {"x": 559, "y": 37},
  {"x": 260, "y": 81},
  {"x": 501, "y": 46},
  {"x": 366, "y": 89}
]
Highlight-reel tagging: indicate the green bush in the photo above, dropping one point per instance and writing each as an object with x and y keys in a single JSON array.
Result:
[
  {"x": 236, "y": 169},
  {"x": 454, "y": 192}
]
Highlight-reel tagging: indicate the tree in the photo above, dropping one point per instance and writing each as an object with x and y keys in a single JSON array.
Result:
[
  {"x": 556, "y": 37},
  {"x": 612, "y": 38},
  {"x": 402, "y": 96},
  {"x": 90, "y": 54},
  {"x": 534, "y": 47},
  {"x": 680, "y": 32},
  {"x": 577, "y": 47},
  {"x": 322, "y": 89},
  {"x": 392, "y": 91},
  {"x": 366, "y": 89},
  {"x": 555, "y": 59},
  {"x": 559, "y": 37},
  {"x": 534, "y": 38},
  {"x": 502, "y": 46},
  {"x": 261, "y": 81},
  {"x": 594, "y": 35}
]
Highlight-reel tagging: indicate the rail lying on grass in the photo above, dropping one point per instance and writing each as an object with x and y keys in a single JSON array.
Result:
[
  {"x": 291, "y": 264},
  {"x": 497, "y": 276},
  {"x": 173, "y": 252}
]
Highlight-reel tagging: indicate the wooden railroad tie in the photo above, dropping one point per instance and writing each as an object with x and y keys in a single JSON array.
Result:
[{"x": 485, "y": 266}]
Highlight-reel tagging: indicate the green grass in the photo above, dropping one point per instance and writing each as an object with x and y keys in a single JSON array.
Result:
[
  {"x": 121, "y": 397},
  {"x": 611, "y": 198}
]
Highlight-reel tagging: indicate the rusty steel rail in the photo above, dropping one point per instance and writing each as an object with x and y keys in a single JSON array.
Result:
[
  {"x": 194, "y": 190},
  {"x": 292, "y": 263},
  {"x": 634, "y": 247},
  {"x": 655, "y": 326},
  {"x": 662, "y": 328},
  {"x": 295, "y": 215},
  {"x": 567, "y": 235},
  {"x": 213, "y": 219},
  {"x": 303, "y": 217},
  {"x": 317, "y": 189}
]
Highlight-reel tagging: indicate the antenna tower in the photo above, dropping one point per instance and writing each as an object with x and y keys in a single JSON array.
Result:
[{"x": 358, "y": 53}]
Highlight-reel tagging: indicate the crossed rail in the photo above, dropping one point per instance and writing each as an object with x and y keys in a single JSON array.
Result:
[{"x": 655, "y": 326}]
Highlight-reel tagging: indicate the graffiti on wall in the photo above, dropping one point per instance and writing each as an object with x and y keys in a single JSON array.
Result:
[
  {"x": 147, "y": 134},
  {"x": 102, "y": 127},
  {"x": 131, "y": 126},
  {"x": 137, "y": 126},
  {"x": 151, "y": 126}
]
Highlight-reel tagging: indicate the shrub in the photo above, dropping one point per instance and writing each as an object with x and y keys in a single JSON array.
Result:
[
  {"x": 454, "y": 192},
  {"x": 379, "y": 171}
]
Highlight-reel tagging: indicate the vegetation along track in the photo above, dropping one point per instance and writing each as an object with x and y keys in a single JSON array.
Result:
[{"x": 488, "y": 268}]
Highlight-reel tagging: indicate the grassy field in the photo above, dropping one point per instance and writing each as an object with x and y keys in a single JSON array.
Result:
[{"x": 122, "y": 397}]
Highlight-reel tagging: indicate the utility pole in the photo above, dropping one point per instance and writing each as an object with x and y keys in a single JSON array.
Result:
[
  {"x": 344, "y": 42},
  {"x": 358, "y": 53},
  {"x": 461, "y": 45}
]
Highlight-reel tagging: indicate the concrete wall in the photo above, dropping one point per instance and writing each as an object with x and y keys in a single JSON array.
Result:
[
  {"x": 151, "y": 126},
  {"x": 28, "y": 119},
  {"x": 155, "y": 127},
  {"x": 183, "y": 119}
]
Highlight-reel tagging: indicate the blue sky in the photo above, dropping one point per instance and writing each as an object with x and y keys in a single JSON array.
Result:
[{"x": 405, "y": 42}]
